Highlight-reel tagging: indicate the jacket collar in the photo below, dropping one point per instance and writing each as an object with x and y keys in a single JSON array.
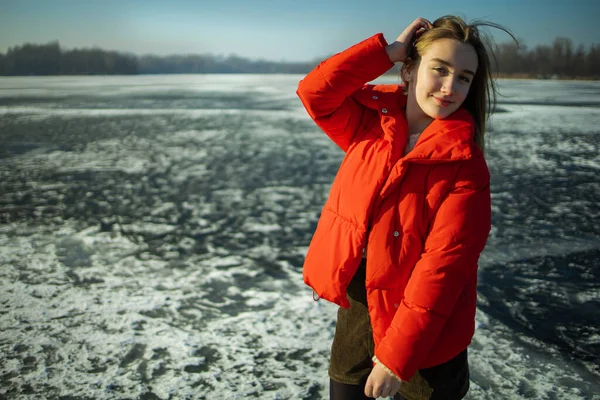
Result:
[{"x": 447, "y": 139}]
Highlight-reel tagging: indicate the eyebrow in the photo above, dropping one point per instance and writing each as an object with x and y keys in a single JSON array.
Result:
[{"x": 466, "y": 71}]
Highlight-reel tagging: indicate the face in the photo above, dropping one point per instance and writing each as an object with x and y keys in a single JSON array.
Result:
[{"x": 439, "y": 83}]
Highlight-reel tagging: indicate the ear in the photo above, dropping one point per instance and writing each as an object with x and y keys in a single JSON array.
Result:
[{"x": 407, "y": 70}]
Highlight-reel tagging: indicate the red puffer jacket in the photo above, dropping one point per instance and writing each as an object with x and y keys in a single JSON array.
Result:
[{"x": 423, "y": 217}]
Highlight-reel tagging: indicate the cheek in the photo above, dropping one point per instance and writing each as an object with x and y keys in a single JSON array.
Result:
[
  {"x": 464, "y": 92},
  {"x": 428, "y": 83}
]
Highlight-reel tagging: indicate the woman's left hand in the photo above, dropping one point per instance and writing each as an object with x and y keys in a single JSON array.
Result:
[{"x": 381, "y": 384}]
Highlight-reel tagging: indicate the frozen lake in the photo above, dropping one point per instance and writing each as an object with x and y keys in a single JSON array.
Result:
[{"x": 153, "y": 228}]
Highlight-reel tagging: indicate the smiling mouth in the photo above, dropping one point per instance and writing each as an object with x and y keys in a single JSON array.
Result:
[{"x": 441, "y": 102}]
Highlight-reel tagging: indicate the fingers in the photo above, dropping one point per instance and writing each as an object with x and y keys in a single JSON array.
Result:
[
  {"x": 370, "y": 391},
  {"x": 381, "y": 384},
  {"x": 369, "y": 387},
  {"x": 420, "y": 31},
  {"x": 422, "y": 23},
  {"x": 398, "y": 51},
  {"x": 419, "y": 25},
  {"x": 415, "y": 29},
  {"x": 379, "y": 390}
]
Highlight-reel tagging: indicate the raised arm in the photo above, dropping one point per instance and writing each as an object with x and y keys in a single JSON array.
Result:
[{"x": 326, "y": 90}]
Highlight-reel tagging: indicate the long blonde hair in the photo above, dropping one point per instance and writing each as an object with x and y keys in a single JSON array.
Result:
[{"x": 481, "y": 100}]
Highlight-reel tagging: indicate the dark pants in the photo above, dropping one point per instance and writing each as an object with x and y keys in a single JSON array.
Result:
[{"x": 353, "y": 349}]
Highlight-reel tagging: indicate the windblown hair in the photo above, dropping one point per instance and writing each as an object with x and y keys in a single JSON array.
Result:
[{"x": 481, "y": 100}]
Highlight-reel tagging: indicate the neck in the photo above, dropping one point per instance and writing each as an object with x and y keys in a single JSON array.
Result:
[{"x": 416, "y": 119}]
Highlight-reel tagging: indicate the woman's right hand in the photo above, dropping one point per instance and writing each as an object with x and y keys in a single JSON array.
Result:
[{"x": 398, "y": 50}]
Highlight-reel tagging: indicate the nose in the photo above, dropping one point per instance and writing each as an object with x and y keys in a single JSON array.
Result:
[{"x": 448, "y": 86}]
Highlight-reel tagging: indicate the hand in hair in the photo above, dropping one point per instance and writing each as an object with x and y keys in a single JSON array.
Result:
[{"x": 398, "y": 50}]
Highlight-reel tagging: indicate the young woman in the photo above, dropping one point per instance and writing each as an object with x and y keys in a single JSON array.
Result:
[{"x": 409, "y": 213}]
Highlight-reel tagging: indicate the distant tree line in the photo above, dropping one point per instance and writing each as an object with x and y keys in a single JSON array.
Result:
[
  {"x": 559, "y": 60},
  {"x": 50, "y": 59},
  {"x": 210, "y": 64}
]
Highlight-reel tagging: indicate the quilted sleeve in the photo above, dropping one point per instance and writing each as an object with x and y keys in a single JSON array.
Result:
[
  {"x": 456, "y": 238},
  {"x": 326, "y": 91}
]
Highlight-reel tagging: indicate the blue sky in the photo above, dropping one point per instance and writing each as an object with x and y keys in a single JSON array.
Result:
[{"x": 290, "y": 30}]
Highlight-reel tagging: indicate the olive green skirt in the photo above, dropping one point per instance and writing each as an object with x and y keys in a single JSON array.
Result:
[{"x": 352, "y": 351}]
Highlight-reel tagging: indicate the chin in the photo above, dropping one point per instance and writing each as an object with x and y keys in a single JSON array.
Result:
[
  {"x": 439, "y": 113},
  {"x": 436, "y": 112}
]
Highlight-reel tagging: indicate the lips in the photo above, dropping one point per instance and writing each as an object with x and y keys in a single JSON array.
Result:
[{"x": 442, "y": 102}]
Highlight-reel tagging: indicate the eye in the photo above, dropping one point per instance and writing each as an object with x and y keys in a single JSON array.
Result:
[
  {"x": 465, "y": 79},
  {"x": 441, "y": 70}
]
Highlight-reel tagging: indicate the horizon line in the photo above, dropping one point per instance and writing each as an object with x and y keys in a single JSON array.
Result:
[{"x": 316, "y": 58}]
